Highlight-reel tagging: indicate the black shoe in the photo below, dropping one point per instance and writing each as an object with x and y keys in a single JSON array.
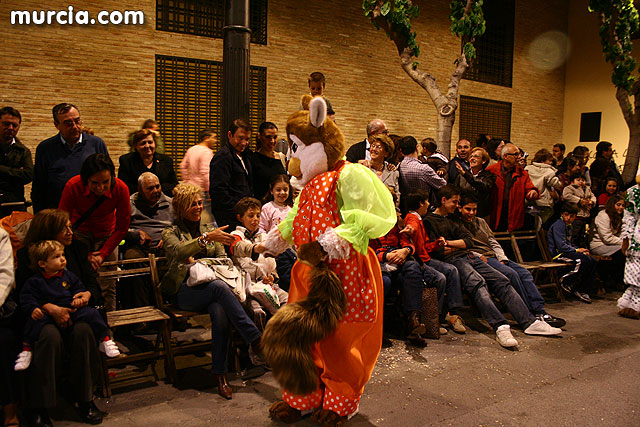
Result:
[
  {"x": 416, "y": 340},
  {"x": 556, "y": 322},
  {"x": 89, "y": 412},
  {"x": 386, "y": 343},
  {"x": 38, "y": 418},
  {"x": 582, "y": 297}
]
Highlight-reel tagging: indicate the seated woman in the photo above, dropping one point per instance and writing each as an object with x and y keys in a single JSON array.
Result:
[
  {"x": 477, "y": 181},
  {"x": 184, "y": 242},
  {"x": 65, "y": 340},
  {"x": 382, "y": 147},
  {"x": 145, "y": 158},
  {"x": 607, "y": 241}
]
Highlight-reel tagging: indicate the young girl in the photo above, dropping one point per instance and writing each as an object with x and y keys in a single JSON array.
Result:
[
  {"x": 610, "y": 188},
  {"x": 277, "y": 203}
]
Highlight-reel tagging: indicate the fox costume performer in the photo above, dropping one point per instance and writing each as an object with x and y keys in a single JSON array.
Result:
[{"x": 322, "y": 346}]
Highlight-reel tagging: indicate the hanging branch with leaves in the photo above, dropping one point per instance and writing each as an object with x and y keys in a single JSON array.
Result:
[{"x": 467, "y": 22}]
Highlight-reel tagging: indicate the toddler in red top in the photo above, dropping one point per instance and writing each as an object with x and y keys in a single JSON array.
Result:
[{"x": 56, "y": 285}]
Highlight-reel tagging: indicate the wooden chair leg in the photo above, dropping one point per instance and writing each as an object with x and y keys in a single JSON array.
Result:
[
  {"x": 169, "y": 360},
  {"x": 106, "y": 385}
]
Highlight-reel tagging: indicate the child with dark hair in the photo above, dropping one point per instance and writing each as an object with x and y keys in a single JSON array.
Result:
[
  {"x": 56, "y": 285},
  {"x": 317, "y": 84},
  {"x": 442, "y": 274},
  {"x": 246, "y": 252},
  {"x": 610, "y": 188},
  {"x": 579, "y": 280},
  {"x": 579, "y": 194}
]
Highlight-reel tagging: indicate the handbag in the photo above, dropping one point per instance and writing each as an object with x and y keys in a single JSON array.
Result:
[
  {"x": 266, "y": 295},
  {"x": 205, "y": 270}
]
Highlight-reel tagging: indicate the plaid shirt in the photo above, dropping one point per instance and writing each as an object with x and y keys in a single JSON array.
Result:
[{"x": 415, "y": 175}]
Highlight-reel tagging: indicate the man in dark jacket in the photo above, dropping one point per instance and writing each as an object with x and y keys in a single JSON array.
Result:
[
  {"x": 230, "y": 175},
  {"x": 16, "y": 166},
  {"x": 360, "y": 150},
  {"x": 60, "y": 157}
]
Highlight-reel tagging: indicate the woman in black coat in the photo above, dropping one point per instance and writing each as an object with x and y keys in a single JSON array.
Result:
[
  {"x": 477, "y": 180},
  {"x": 146, "y": 159},
  {"x": 64, "y": 340},
  {"x": 265, "y": 161}
]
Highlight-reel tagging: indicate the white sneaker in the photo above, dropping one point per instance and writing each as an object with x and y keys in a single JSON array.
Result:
[
  {"x": 109, "y": 348},
  {"x": 540, "y": 327},
  {"x": 504, "y": 337},
  {"x": 23, "y": 361}
]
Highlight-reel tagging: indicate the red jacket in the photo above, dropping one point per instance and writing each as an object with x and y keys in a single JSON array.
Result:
[
  {"x": 390, "y": 242},
  {"x": 521, "y": 186},
  {"x": 420, "y": 237}
]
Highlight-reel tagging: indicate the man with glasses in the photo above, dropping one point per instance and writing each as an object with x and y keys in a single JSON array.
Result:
[
  {"x": 60, "y": 157},
  {"x": 360, "y": 151},
  {"x": 151, "y": 212},
  {"x": 16, "y": 166},
  {"x": 513, "y": 185}
]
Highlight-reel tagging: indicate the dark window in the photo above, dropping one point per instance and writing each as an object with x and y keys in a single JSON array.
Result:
[
  {"x": 189, "y": 99},
  {"x": 206, "y": 18},
  {"x": 494, "y": 60},
  {"x": 486, "y": 116},
  {"x": 590, "y": 127}
]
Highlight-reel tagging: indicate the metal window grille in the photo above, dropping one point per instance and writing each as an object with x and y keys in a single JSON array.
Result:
[
  {"x": 206, "y": 18},
  {"x": 494, "y": 60},
  {"x": 189, "y": 99},
  {"x": 478, "y": 115}
]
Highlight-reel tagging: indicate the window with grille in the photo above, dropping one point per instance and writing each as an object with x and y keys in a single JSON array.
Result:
[
  {"x": 478, "y": 115},
  {"x": 189, "y": 99},
  {"x": 494, "y": 60},
  {"x": 206, "y": 18}
]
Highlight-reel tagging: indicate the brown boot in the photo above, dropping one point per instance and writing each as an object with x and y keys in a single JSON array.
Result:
[
  {"x": 224, "y": 389},
  {"x": 414, "y": 325}
]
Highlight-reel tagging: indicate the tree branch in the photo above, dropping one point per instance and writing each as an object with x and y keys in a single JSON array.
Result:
[
  {"x": 454, "y": 82},
  {"x": 424, "y": 79},
  {"x": 399, "y": 40},
  {"x": 625, "y": 105}
]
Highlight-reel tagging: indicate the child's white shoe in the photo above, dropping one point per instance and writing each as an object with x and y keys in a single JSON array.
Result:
[
  {"x": 109, "y": 348},
  {"x": 23, "y": 361}
]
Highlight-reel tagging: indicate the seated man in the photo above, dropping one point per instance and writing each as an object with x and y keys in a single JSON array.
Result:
[
  {"x": 151, "y": 212},
  {"x": 477, "y": 277},
  {"x": 489, "y": 250},
  {"x": 578, "y": 281}
]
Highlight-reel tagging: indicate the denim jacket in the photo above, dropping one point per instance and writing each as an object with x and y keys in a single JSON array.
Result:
[{"x": 179, "y": 245}]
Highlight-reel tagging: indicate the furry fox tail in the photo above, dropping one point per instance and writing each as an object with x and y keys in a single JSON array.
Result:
[{"x": 291, "y": 332}]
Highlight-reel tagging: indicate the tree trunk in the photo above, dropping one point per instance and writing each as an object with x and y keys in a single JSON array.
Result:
[
  {"x": 443, "y": 137},
  {"x": 633, "y": 156}
]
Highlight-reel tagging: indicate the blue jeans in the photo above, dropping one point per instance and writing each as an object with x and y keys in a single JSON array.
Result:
[
  {"x": 222, "y": 305},
  {"x": 478, "y": 278},
  {"x": 580, "y": 277},
  {"x": 408, "y": 277},
  {"x": 433, "y": 270},
  {"x": 523, "y": 283}
]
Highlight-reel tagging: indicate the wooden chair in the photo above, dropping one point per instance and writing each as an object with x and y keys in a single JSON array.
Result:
[
  {"x": 135, "y": 316},
  {"x": 546, "y": 264}
]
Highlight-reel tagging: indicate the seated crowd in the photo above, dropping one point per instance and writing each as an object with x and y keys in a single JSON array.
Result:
[{"x": 448, "y": 211}]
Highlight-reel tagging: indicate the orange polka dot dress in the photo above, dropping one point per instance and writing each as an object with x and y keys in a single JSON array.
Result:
[{"x": 353, "y": 202}]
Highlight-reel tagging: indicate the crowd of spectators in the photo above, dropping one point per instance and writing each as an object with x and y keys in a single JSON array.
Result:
[{"x": 448, "y": 211}]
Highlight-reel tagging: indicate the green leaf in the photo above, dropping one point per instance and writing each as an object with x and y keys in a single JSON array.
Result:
[{"x": 386, "y": 7}]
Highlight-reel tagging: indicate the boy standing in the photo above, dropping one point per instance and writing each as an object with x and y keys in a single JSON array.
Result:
[
  {"x": 477, "y": 277},
  {"x": 580, "y": 278},
  {"x": 54, "y": 284},
  {"x": 246, "y": 253}
]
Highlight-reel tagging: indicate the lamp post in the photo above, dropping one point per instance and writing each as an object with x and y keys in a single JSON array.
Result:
[{"x": 235, "y": 63}]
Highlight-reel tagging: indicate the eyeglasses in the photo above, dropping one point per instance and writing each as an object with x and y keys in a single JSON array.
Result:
[
  {"x": 73, "y": 122},
  {"x": 377, "y": 147},
  {"x": 512, "y": 154}
]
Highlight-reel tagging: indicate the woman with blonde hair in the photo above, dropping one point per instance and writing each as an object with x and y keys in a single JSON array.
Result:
[
  {"x": 184, "y": 242},
  {"x": 476, "y": 180}
]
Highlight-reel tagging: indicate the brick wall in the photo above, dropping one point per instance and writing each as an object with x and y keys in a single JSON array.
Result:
[{"x": 108, "y": 71}]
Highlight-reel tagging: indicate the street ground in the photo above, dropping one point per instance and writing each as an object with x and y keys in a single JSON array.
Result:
[{"x": 589, "y": 376}]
